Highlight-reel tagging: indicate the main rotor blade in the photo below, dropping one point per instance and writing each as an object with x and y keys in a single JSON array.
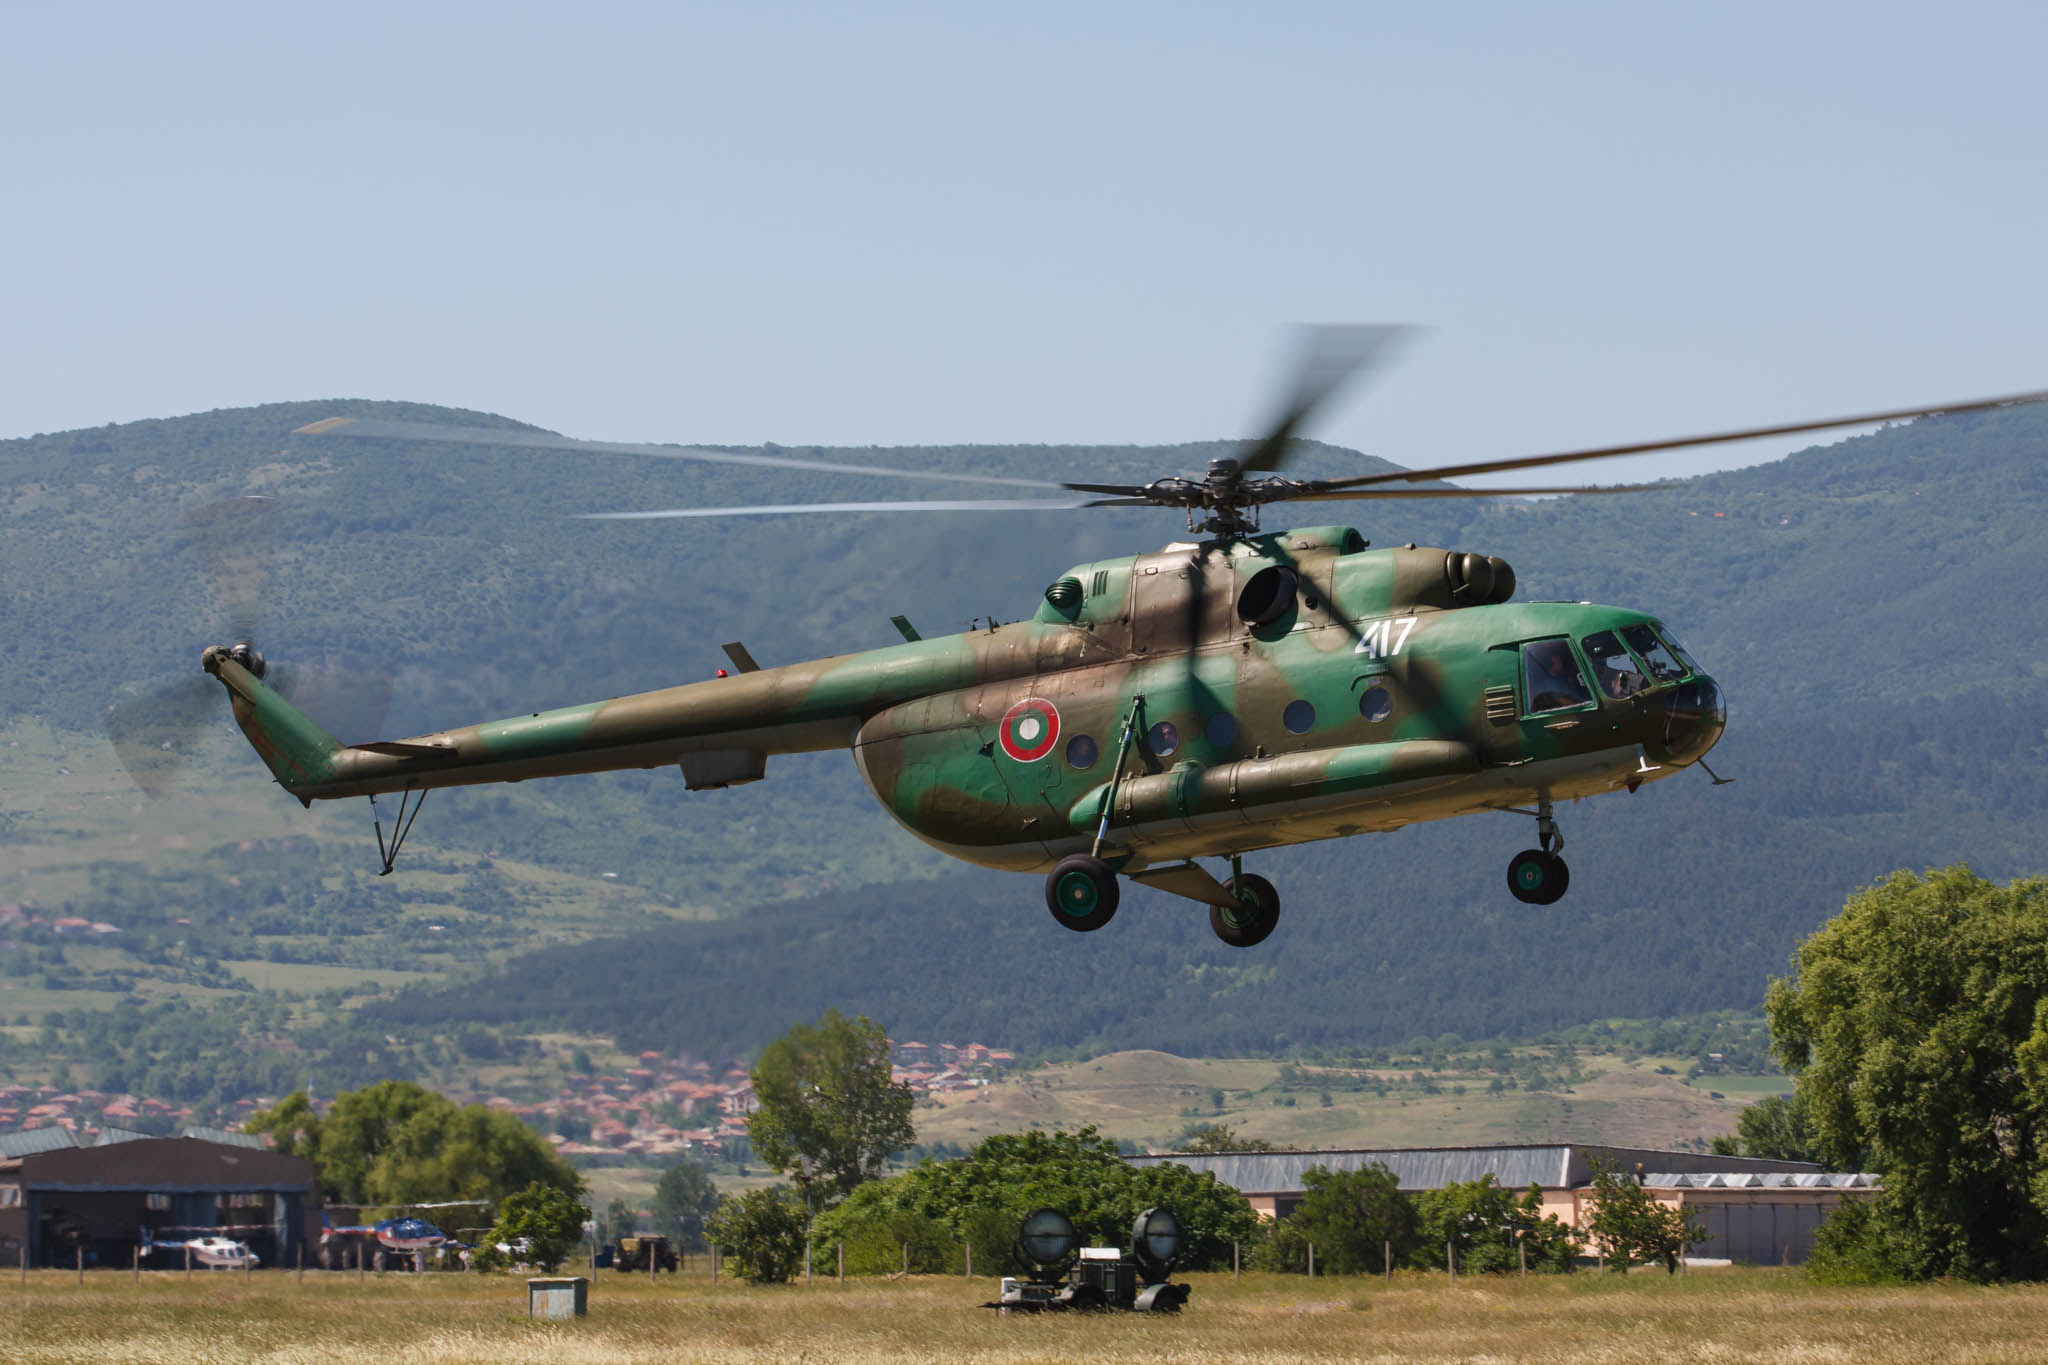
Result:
[
  {"x": 936, "y": 505},
  {"x": 1360, "y": 494},
  {"x": 375, "y": 429},
  {"x": 153, "y": 732},
  {"x": 1331, "y": 357},
  {"x": 1683, "y": 442}
]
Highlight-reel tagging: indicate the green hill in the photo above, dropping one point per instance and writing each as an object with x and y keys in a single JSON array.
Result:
[{"x": 1868, "y": 607}]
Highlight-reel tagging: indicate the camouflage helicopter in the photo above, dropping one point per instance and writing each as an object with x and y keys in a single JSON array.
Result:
[{"x": 1229, "y": 693}]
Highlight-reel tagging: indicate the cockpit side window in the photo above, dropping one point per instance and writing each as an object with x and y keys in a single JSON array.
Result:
[
  {"x": 1677, "y": 649},
  {"x": 1663, "y": 667},
  {"x": 1551, "y": 679},
  {"x": 1615, "y": 671}
]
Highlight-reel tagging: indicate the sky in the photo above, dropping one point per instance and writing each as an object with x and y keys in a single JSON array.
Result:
[{"x": 917, "y": 224}]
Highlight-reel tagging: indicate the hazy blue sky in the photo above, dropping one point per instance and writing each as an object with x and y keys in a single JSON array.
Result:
[{"x": 910, "y": 224}]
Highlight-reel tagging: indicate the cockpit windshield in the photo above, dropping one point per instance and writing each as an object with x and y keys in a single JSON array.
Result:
[
  {"x": 1663, "y": 667},
  {"x": 1677, "y": 649},
  {"x": 1550, "y": 676},
  {"x": 1615, "y": 670}
]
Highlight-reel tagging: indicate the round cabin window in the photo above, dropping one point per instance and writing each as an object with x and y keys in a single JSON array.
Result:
[
  {"x": 1299, "y": 717},
  {"x": 1376, "y": 705},
  {"x": 1163, "y": 738},
  {"x": 1081, "y": 751}
]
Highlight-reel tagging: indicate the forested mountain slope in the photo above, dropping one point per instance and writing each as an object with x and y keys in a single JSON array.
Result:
[{"x": 1868, "y": 607}]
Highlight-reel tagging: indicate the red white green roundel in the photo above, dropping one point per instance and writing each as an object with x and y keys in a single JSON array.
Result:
[{"x": 1030, "y": 729}]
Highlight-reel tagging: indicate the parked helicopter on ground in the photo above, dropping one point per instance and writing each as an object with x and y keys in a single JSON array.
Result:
[{"x": 1234, "y": 692}]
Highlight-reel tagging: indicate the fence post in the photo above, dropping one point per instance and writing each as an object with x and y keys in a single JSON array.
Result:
[
  {"x": 188, "y": 1260},
  {"x": 1390, "y": 1261},
  {"x": 81, "y": 1264},
  {"x": 1311, "y": 1260},
  {"x": 807, "y": 1258},
  {"x": 359, "y": 1263},
  {"x": 970, "y": 1260},
  {"x": 1236, "y": 1265},
  {"x": 135, "y": 1265},
  {"x": 714, "y": 1263},
  {"x": 1451, "y": 1262},
  {"x": 906, "y": 1260},
  {"x": 1522, "y": 1252},
  {"x": 842, "y": 1260},
  {"x": 653, "y": 1262},
  {"x": 302, "y": 1262}
]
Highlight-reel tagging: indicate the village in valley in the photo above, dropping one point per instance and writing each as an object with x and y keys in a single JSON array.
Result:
[{"x": 660, "y": 1109}]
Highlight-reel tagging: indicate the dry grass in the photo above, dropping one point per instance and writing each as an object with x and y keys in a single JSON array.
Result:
[
  {"x": 1147, "y": 1097},
  {"x": 1717, "y": 1316}
]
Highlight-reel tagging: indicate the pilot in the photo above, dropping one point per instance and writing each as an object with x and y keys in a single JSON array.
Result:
[{"x": 1560, "y": 684}]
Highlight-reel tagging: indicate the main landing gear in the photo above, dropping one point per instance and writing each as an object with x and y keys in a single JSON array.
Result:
[
  {"x": 1538, "y": 876},
  {"x": 1253, "y": 917},
  {"x": 1082, "y": 892}
]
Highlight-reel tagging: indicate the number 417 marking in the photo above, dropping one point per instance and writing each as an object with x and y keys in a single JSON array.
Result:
[{"x": 1383, "y": 639}]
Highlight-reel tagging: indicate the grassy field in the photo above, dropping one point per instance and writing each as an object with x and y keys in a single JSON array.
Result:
[{"x": 1703, "y": 1316}]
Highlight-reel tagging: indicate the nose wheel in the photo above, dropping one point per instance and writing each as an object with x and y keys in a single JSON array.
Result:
[
  {"x": 1253, "y": 916},
  {"x": 1538, "y": 876}
]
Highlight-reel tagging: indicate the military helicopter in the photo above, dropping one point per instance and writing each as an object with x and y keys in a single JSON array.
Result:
[{"x": 1233, "y": 692}]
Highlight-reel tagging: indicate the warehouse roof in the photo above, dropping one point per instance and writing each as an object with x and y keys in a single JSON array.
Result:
[
  {"x": 1553, "y": 1165},
  {"x": 30, "y": 1140},
  {"x": 179, "y": 1165}
]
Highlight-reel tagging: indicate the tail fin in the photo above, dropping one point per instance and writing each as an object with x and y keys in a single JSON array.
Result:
[{"x": 298, "y": 752}]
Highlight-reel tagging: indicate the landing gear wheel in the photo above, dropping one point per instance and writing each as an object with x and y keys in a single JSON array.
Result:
[
  {"x": 1256, "y": 912},
  {"x": 1081, "y": 892},
  {"x": 1538, "y": 878}
]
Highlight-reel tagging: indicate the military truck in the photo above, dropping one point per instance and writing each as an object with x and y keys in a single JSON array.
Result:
[{"x": 644, "y": 1254}]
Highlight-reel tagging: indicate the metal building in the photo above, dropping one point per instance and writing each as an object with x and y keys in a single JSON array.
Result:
[
  {"x": 1755, "y": 1209},
  {"x": 59, "y": 1199}
]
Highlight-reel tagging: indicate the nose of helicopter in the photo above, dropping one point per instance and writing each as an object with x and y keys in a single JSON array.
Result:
[{"x": 1694, "y": 716}]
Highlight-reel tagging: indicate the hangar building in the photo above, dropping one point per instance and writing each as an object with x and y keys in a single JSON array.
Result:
[
  {"x": 58, "y": 1198},
  {"x": 1754, "y": 1209}
]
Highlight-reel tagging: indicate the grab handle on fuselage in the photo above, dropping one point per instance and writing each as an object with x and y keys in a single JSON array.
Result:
[{"x": 1116, "y": 778}]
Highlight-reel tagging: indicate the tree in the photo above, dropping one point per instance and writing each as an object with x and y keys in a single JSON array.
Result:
[
  {"x": 682, "y": 1201},
  {"x": 982, "y": 1198},
  {"x": 1350, "y": 1216},
  {"x": 1917, "y": 1032},
  {"x": 1221, "y": 1137},
  {"x": 826, "y": 1097},
  {"x": 396, "y": 1143},
  {"x": 1489, "y": 1229},
  {"x": 1773, "y": 1127},
  {"x": 763, "y": 1233},
  {"x": 549, "y": 1220},
  {"x": 620, "y": 1220},
  {"x": 1630, "y": 1226}
]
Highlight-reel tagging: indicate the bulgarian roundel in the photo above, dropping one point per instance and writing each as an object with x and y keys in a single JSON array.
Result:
[{"x": 1030, "y": 729}]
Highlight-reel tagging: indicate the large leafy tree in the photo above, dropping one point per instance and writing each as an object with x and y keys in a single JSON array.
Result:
[
  {"x": 982, "y": 1198},
  {"x": 1632, "y": 1227},
  {"x": 683, "y": 1199},
  {"x": 1917, "y": 1029},
  {"x": 1488, "y": 1228},
  {"x": 762, "y": 1232},
  {"x": 1350, "y": 1217},
  {"x": 827, "y": 1100},
  {"x": 546, "y": 1221},
  {"x": 1773, "y": 1127},
  {"x": 397, "y": 1143}
]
